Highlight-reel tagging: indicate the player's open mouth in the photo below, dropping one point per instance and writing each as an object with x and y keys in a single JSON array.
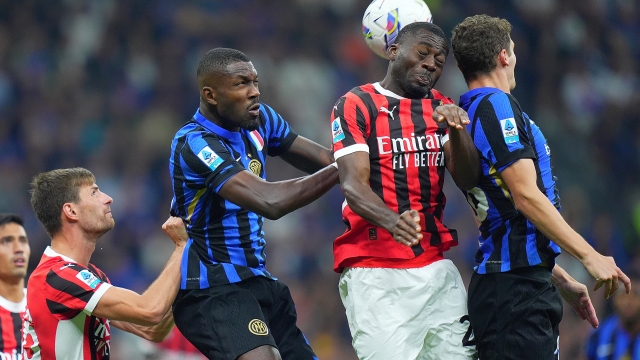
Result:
[
  {"x": 19, "y": 262},
  {"x": 254, "y": 110}
]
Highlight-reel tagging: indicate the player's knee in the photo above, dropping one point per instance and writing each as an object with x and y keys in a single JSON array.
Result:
[{"x": 264, "y": 352}]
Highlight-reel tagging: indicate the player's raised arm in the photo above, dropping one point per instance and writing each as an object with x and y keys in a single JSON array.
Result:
[
  {"x": 461, "y": 155},
  {"x": 307, "y": 155},
  {"x": 151, "y": 307}
]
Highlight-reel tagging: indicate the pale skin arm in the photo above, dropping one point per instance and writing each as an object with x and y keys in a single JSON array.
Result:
[
  {"x": 520, "y": 177},
  {"x": 460, "y": 154},
  {"x": 308, "y": 156},
  {"x": 276, "y": 199},
  {"x": 150, "y": 308},
  {"x": 156, "y": 333},
  {"x": 354, "y": 177},
  {"x": 575, "y": 294}
]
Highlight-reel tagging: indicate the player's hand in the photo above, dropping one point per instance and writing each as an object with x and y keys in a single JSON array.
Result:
[
  {"x": 407, "y": 229},
  {"x": 454, "y": 115},
  {"x": 174, "y": 227},
  {"x": 577, "y": 295},
  {"x": 607, "y": 273}
]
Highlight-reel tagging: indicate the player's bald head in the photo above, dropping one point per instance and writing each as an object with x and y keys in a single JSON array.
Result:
[{"x": 216, "y": 61}]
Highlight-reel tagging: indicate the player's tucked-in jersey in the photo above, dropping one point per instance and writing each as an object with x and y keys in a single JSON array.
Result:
[
  {"x": 405, "y": 147},
  {"x": 610, "y": 341},
  {"x": 10, "y": 323},
  {"x": 503, "y": 134},
  {"x": 57, "y": 323},
  {"x": 226, "y": 243}
]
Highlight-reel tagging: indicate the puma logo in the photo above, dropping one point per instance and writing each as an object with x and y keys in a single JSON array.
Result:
[{"x": 390, "y": 113}]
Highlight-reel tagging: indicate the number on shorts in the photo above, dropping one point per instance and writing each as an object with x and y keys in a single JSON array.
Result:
[{"x": 468, "y": 339}]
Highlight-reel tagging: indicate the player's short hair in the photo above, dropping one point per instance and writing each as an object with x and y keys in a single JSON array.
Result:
[
  {"x": 51, "y": 190},
  {"x": 218, "y": 59},
  {"x": 413, "y": 29},
  {"x": 476, "y": 43},
  {"x": 7, "y": 218}
]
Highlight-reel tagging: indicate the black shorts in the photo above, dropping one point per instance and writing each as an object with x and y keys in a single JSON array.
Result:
[
  {"x": 226, "y": 321},
  {"x": 515, "y": 315}
]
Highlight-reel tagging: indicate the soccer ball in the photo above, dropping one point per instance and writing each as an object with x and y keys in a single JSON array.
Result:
[{"x": 383, "y": 19}]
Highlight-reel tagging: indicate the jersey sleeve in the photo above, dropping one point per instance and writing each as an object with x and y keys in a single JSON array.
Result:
[
  {"x": 72, "y": 288},
  {"x": 206, "y": 161},
  {"x": 279, "y": 134},
  {"x": 500, "y": 132},
  {"x": 350, "y": 130}
]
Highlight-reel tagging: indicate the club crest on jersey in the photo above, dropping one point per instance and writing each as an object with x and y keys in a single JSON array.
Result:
[
  {"x": 509, "y": 130},
  {"x": 258, "y": 327},
  {"x": 256, "y": 139},
  {"x": 88, "y": 278},
  {"x": 210, "y": 158},
  {"x": 255, "y": 166},
  {"x": 336, "y": 130}
]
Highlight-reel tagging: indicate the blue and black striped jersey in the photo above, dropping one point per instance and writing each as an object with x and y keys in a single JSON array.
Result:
[
  {"x": 503, "y": 134},
  {"x": 226, "y": 243},
  {"x": 610, "y": 341}
]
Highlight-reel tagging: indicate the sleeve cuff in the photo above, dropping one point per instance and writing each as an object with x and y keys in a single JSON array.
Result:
[
  {"x": 350, "y": 150},
  {"x": 504, "y": 162},
  {"x": 91, "y": 305}
]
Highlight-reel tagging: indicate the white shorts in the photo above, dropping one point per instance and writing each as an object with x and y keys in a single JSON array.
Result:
[{"x": 407, "y": 314}]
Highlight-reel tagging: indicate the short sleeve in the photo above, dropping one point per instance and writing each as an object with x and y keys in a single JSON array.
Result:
[
  {"x": 71, "y": 288},
  {"x": 279, "y": 134},
  {"x": 500, "y": 131},
  {"x": 206, "y": 161},
  {"x": 349, "y": 126}
]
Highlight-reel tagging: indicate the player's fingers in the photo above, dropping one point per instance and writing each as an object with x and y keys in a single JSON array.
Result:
[
  {"x": 625, "y": 280},
  {"x": 590, "y": 315},
  {"x": 607, "y": 288},
  {"x": 598, "y": 285},
  {"x": 406, "y": 237}
]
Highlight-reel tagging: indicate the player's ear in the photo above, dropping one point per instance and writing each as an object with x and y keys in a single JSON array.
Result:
[
  {"x": 392, "y": 52},
  {"x": 69, "y": 212},
  {"x": 209, "y": 95},
  {"x": 503, "y": 57}
]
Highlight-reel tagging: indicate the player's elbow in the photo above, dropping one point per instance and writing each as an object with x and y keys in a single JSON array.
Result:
[
  {"x": 150, "y": 317},
  {"x": 523, "y": 202}
]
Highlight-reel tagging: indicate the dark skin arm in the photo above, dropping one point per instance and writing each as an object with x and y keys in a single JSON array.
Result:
[
  {"x": 354, "y": 177},
  {"x": 276, "y": 199},
  {"x": 307, "y": 156},
  {"x": 460, "y": 154}
]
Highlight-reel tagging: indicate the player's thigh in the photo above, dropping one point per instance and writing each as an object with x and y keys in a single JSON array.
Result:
[
  {"x": 386, "y": 309},
  {"x": 282, "y": 315},
  {"x": 222, "y": 322},
  {"x": 450, "y": 335},
  {"x": 515, "y": 315}
]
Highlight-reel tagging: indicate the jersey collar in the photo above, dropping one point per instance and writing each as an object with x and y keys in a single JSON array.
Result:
[
  {"x": 389, "y": 93},
  {"x": 469, "y": 95},
  {"x": 51, "y": 253},
  {"x": 209, "y": 125}
]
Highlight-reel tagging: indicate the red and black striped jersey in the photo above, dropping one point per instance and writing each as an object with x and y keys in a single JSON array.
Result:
[
  {"x": 406, "y": 155},
  {"x": 10, "y": 324},
  {"x": 57, "y": 324},
  {"x": 176, "y": 346}
]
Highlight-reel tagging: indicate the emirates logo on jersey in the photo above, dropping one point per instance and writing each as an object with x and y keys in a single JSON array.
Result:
[{"x": 413, "y": 151}]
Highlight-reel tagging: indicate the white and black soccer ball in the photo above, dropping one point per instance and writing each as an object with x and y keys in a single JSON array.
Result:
[{"x": 383, "y": 19}]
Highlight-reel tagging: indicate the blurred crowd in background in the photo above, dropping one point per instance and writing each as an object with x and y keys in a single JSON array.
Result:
[{"x": 104, "y": 84}]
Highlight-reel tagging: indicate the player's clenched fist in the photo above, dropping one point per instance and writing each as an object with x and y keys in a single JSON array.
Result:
[
  {"x": 455, "y": 116},
  {"x": 174, "y": 227},
  {"x": 407, "y": 229}
]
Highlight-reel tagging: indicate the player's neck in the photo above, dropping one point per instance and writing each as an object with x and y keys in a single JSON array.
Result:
[
  {"x": 213, "y": 116},
  {"x": 75, "y": 246},
  {"x": 496, "y": 79},
  {"x": 12, "y": 289}
]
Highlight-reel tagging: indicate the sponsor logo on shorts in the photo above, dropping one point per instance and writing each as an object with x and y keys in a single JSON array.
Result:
[
  {"x": 258, "y": 327},
  {"x": 255, "y": 166}
]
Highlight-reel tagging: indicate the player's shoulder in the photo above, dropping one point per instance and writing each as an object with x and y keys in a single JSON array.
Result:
[{"x": 438, "y": 96}]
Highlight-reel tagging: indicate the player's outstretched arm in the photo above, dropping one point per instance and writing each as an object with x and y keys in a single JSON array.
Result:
[
  {"x": 307, "y": 155},
  {"x": 276, "y": 199},
  {"x": 151, "y": 307},
  {"x": 156, "y": 333},
  {"x": 575, "y": 294},
  {"x": 354, "y": 177},
  {"x": 460, "y": 154},
  {"x": 520, "y": 177}
]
